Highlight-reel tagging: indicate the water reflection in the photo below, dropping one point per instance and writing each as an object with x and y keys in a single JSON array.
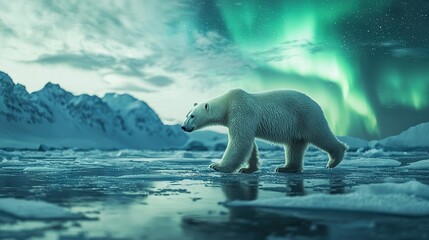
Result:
[
  {"x": 258, "y": 223},
  {"x": 295, "y": 186},
  {"x": 251, "y": 223},
  {"x": 240, "y": 189},
  {"x": 72, "y": 185}
]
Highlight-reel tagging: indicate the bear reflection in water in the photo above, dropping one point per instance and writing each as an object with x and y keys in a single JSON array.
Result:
[{"x": 251, "y": 223}]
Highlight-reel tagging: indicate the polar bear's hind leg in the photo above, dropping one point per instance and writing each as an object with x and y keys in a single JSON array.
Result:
[{"x": 330, "y": 144}]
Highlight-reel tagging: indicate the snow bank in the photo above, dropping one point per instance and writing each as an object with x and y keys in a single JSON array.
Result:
[
  {"x": 411, "y": 188},
  {"x": 30, "y": 209},
  {"x": 423, "y": 164},
  {"x": 406, "y": 199},
  {"x": 414, "y": 138}
]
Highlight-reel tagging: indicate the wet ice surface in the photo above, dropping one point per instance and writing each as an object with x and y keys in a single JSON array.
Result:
[{"x": 174, "y": 195}]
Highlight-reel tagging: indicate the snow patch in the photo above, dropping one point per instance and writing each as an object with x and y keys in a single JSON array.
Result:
[
  {"x": 371, "y": 162},
  {"x": 42, "y": 169},
  {"x": 374, "y": 153},
  {"x": 33, "y": 209},
  {"x": 153, "y": 177}
]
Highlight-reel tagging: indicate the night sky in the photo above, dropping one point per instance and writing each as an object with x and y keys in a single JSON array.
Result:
[{"x": 366, "y": 62}]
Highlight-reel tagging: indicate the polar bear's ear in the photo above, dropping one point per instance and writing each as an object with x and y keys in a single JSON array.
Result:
[
  {"x": 195, "y": 104},
  {"x": 206, "y": 106}
]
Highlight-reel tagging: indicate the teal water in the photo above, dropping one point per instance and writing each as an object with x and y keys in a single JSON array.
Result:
[{"x": 174, "y": 195}]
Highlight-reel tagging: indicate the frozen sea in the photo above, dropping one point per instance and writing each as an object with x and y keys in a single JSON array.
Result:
[{"x": 174, "y": 195}]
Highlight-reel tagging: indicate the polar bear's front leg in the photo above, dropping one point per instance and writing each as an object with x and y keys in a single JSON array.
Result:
[
  {"x": 253, "y": 161},
  {"x": 238, "y": 150}
]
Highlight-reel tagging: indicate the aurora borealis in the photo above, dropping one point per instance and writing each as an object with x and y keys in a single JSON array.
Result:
[{"x": 366, "y": 62}]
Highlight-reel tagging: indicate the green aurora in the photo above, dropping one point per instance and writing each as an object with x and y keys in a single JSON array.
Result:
[
  {"x": 365, "y": 62},
  {"x": 355, "y": 58}
]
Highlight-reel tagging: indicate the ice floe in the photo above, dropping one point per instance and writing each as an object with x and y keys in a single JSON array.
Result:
[
  {"x": 405, "y": 199},
  {"x": 153, "y": 177},
  {"x": 34, "y": 209}
]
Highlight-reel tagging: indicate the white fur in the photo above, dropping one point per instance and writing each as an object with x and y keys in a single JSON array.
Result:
[{"x": 284, "y": 117}]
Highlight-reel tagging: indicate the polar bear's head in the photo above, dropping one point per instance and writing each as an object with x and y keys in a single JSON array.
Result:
[{"x": 198, "y": 117}]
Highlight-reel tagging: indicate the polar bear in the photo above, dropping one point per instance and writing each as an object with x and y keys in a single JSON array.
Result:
[{"x": 284, "y": 117}]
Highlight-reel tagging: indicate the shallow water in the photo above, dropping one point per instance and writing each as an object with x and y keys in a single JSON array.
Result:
[{"x": 174, "y": 195}]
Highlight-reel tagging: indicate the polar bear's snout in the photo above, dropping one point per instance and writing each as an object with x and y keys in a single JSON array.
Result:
[
  {"x": 188, "y": 125},
  {"x": 184, "y": 128}
]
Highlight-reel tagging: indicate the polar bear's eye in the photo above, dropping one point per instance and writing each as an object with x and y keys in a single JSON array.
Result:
[{"x": 192, "y": 116}]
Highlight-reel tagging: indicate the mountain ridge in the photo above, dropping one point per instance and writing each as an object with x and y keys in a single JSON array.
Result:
[{"x": 54, "y": 117}]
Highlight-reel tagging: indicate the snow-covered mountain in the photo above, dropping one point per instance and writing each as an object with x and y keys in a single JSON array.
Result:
[
  {"x": 56, "y": 118},
  {"x": 414, "y": 138}
]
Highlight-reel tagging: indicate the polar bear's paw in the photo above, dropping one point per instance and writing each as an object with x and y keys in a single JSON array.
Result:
[
  {"x": 288, "y": 170},
  {"x": 248, "y": 170},
  {"x": 218, "y": 167},
  {"x": 336, "y": 157},
  {"x": 333, "y": 163}
]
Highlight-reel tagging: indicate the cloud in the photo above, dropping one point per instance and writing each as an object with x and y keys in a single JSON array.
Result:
[
  {"x": 83, "y": 61},
  {"x": 287, "y": 50},
  {"x": 128, "y": 38},
  {"x": 131, "y": 29},
  {"x": 108, "y": 64},
  {"x": 5, "y": 30},
  {"x": 130, "y": 87},
  {"x": 132, "y": 46},
  {"x": 160, "y": 81},
  {"x": 395, "y": 48},
  {"x": 399, "y": 49},
  {"x": 411, "y": 52}
]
